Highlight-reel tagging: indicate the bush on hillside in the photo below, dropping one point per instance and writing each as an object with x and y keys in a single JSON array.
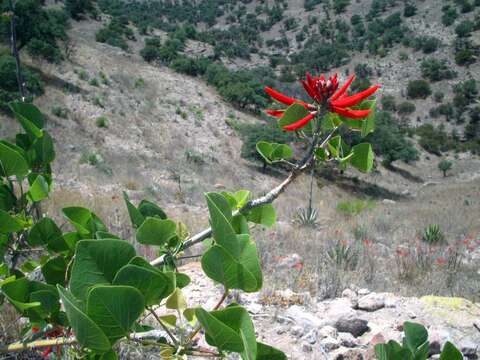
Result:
[{"x": 418, "y": 89}]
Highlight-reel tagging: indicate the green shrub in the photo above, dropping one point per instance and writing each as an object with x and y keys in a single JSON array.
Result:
[
  {"x": 465, "y": 28},
  {"x": 8, "y": 82},
  {"x": 418, "y": 89},
  {"x": 434, "y": 140},
  {"x": 343, "y": 256},
  {"x": 251, "y": 134},
  {"x": 433, "y": 235},
  {"x": 306, "y": 217},
  {"x": 444, "y": 166},
  {"x": 102, "y": 122},
  {"x": 436, "y": 70},
  {"x": 354, "y": 207},
  {"x": 340, "y": 5},
  {"x": 409, "y": 10},
  {"x": 389, "y": 103},
  {"x": 93, "y": 82},
  {"x": 60, "y": 112},
  {"x": 406, "y": 108},
  {"x": 115, "y": 34},
  {"x": 78, "y": 8},
  {"x": 449, "y": 15},
  {"x": 465, "y": 93},
  {"x": 438, "y": 96}
]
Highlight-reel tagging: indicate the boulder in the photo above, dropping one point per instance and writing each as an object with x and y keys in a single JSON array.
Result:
[
  {"x": 348, "y": 340},
  {"x": 311, "y": 336},
  {"x": 355, "y": 326},
  {"x": 329, "y": 344},
  {"x": 302, "y": 317},
  {"x": 328, "y": 331},
  {"x": 297, "y": 331},
  {"x": 371, "y": 302}
]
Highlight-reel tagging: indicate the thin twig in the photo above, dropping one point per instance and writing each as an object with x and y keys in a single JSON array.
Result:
[{"x": 164, "y": 327}]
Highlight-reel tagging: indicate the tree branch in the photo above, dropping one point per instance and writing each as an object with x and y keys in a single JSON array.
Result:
[{"x": 268, "y": 198}]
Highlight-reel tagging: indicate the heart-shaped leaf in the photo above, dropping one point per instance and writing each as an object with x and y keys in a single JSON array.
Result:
[
  {"x": 155, "y": 231},
  {"x": 362, "y": 157},
  {"x": 115, "y": 309},
  {"x": 153, "y": 284},
  {"x": 264, "y": 215},
  {"x": 97, "y": 262},
  {"x": 12, "y": 162},
  {"x": 87, "y": 333},
  {"x": 85, "y": 221},
  {"x": 8, "y": 224}
]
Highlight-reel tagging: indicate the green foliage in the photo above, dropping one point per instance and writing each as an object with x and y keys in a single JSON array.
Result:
[
  {"x": 436, "y": 70},
  {"x": 306, "y": 217},
  {"x": 464, "y": 29},
  {"x": 428, "y": 44},
  {"x": 8, "y": 82},
  {"x": 354, "y": 207},
  {"x": 433, "y": 235},
  {"x": 343, "y": 256},
  {"x": 389, "y": 103},
  {"x": 449, "y": 15},
  {"x": 445, "y": 165},
  {"x": 115, "y": 34},
  {"x": 102, "y": 122},
  {"x": 38, "y": 29},
  {"x": 409, "y": 10},
  {"x": 252, "y": 134},
  {"x": 465, "y": 94},
  {"x": 60, "y": 112},
  {"x": 406, "y": 108},
  {"x": 77, "y": 9},
  {"x": 434, "y": 140},
  {"x": 418, "y": 89},
  {"x": 340, "y": 5},
  {"x": 415, "y": 346}
]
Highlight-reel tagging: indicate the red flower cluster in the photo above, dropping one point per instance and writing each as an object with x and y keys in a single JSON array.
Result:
[
  {"x": 323, "y": 92},
  {"x": 58, "y": 332}
]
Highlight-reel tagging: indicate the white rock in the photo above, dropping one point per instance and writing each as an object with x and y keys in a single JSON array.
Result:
[
  {"x": 349, "y": 293},
  {"x": 297, "y": 331},
  {"x": 363, "y": 292},
  {"x": 389, "y": 201},
  {"x": 327, "y": 331},
  {"x": 347, "y": 340},
  {"x": 254, "y": 308},
  {"x": 371, "y": 302},
  {"x": 311, "y": 336},
  {"x": 306, "y": 347},
  {"x": 330, "y": 344},
  {"x": 302, "y": 317}
]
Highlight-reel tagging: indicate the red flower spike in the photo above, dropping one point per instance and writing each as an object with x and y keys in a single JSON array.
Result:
[
  {"x": 343, "y": 89},
  {"x": 300, "y": 123},
  {"x": 352, "y": 114},
  {"x": 355, "y": 99},
  {"x": 324, "y": 92},
  {"x": 283, "y": 98},
  {"x": 276, "y": 113},
  {"x": 47, "y": 352}
]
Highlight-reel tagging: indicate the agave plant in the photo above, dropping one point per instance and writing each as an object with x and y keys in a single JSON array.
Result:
[
  {"x": 306, "y": 217},
  {"x": 433, "y": 235},
  {"x": 343, "y": 256}
]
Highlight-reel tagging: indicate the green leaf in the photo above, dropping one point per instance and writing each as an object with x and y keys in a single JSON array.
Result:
[
  {"x": 281, "y": 151},
  {"x": 294, "y": 113},
  {"x": 237, "y": 266},
  {"x": 241, "y": 197},
  {"x": 12, "y": 162},
  {"x": 266, "y": 352},
  {"x": 115, "y": 309},
  {"x": 156, "y": 231},
  {"x": 43, "y": 150},
  {"x": 85, "y": 221},
  {"x": 264, "y": 215},
  {"x": 362, "y": 157},
  {"x": 224, "y": 337},
  {"x": 392, "y": 351},
  {"x": 105, "y": 235},
  {"x": 135, "y": 215},
  {"x": 368, "y": 124},
  {"x": 321, "y": 154},
  {"x": 450, "y": 352},
  {"x": 29, "y": 117},
  {"x": 54, "y": 270},
  {"x": 330, "y": 121},
  {"x": 87, "y": 333},
  {"x": 8, "y": 224},
  {"x": 265, "y": 150},
  {"x": 18, "y": 293},
  {"x": 46, "y": 232},
  {"x": 149, "y": 209},
  {"x": 39, "y": 189},
  {"x": 415, "y": 335},
  {"x": 176, "y": 301},
  {"x": 48, "y": 299},
  {"x": 153, "y": 284},
  {"x": 220, "y": 217},
  {"x": 97, "y": 262},
  {"x": 235, "y": 318}
]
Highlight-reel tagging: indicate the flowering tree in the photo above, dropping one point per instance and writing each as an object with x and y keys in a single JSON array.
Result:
[{"x": 94, "y": 288}]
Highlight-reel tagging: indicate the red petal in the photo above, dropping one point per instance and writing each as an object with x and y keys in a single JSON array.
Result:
[
  {"x": 281, "y": 98},
  {"x": 343, "y": 89},
  {"x": 276, "y": 113},
  {"x": 352, "y": 114},
  {"x": 300, "y": 123},
  {"x": 355, "y": 99},
  {"x": 308, "y": 89}
]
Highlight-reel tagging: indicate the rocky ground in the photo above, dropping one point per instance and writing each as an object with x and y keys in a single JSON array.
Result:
[{"x": 343, "y": 328}]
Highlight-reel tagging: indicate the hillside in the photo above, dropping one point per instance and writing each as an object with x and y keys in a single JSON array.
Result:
[{"x": 158, "y": 131}]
